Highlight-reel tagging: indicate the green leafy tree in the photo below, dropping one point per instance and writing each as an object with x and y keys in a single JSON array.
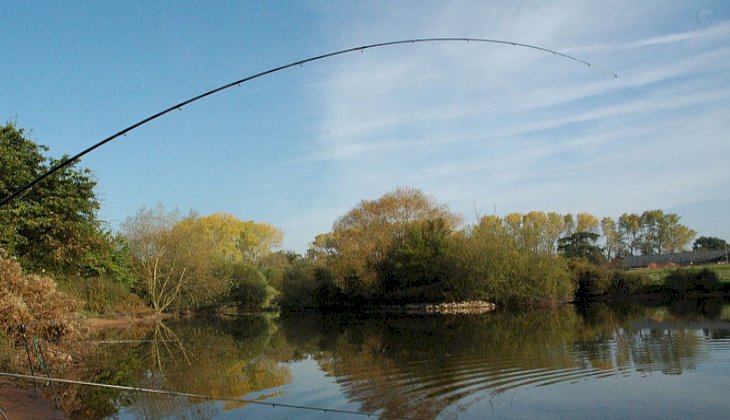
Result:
[
  {"x": 629, "y": 226},
  {"x": 662, "y": 233},
  {"x": 491, "y": 265},
  {"x": 581, "y": 245},
  {"x": 654, "y": 232},
  {"x": 249, "y": 286},
  {"x": 54, "y": 226},
  {"x": 709, "y": 243},
  {"x": 678, "y": 236},
  {"x": 421, "y": 266}
]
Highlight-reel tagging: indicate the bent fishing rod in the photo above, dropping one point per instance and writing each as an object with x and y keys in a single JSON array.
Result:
[{"x": 55, "y": 168}]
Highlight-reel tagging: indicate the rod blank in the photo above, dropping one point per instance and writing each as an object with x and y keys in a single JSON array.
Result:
[{"x": 179, "y": 106}]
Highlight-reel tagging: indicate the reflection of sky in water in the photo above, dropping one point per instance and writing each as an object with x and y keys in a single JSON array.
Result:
[
  {"x": 311, "y": 387},
  {"x": 643, "y": 391},
  {"x": 691, "y": 395}
]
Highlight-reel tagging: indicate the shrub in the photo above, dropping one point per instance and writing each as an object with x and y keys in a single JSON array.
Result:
[
  {"x": 490, "y": 267},
  {"x": 102, "y": 295},
  {"x": 682, "y": 281},
  {"x": 250, "y": 288},
  {"x": 299, "y": 285},
  {"x": 592, "y": 280},
  {"x": 624, "y": 282},
  {"x": 34, "y": 301}
]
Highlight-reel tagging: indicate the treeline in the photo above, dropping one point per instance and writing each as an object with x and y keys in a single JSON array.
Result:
[
  {"x": 405, "y": 247},
  {"x": 402, "y": 247}
]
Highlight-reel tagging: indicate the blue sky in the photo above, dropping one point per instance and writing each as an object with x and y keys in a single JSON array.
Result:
[{"x": 477, "y": 126}]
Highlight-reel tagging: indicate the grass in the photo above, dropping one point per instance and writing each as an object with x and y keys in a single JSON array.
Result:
[{"x": 658, "y": 276}]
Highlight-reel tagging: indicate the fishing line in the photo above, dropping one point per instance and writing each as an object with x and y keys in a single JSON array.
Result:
[
  {"x": 189, "y": 395},
  {"x": 180, "y": 105}
]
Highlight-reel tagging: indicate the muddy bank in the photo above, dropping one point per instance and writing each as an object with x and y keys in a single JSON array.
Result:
[
  {"x": 19, "y": 401},
  {"x": 124, "y": 321}
]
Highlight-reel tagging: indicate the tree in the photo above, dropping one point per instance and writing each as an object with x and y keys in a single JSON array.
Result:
[
  {"x": 534, "y": 227},
  {"x": 663, "y": 233},
  {"x": 249, "y": 287},
  {"x": 362, "y": 238},
  {"x": 195, "y": 260},
  {"x": 569, "y": 224},
  {"x": 489, "y": 264},
  {"x": 709, "y": 243},
  {"x": 235, "y": 240},
  {"x": 54, "y": 226},
  {"x": 586, "y": 222},
  {"x": 629, "y": 226},
  {"x": 555, "y": 226},
  {"x": 322, "y": 247},
  {"x": 420, "y": 267},
  {"x": 581, "y": 245},
  {"x": 678, "y": 236},
  {"x": 170, "y": 262},
  {"x": 654, "y": 232},
  {"x": 612, "y": 236}
]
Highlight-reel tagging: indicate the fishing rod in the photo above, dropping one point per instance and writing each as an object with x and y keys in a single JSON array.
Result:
[{"x": 362, "y": 48}]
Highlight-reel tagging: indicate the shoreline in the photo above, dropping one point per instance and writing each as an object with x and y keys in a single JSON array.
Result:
[
  {"x": 96, "y": 323},
  {"x": 450, "y": 308},
  {"x": 19, "y": 400}
]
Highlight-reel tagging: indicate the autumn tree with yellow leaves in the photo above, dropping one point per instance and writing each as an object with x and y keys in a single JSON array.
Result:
[{"x": 194, "y": 260}]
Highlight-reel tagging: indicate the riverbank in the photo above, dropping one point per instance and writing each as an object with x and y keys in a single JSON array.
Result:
[
  {"x": 467, "y": 307},
  {"x": 19, "y": 401},
  {"x": 120, "y": 321}
]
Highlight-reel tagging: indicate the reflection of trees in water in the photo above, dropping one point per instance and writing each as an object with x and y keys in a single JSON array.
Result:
[
  {"x": 668, "y": 351},
  {"x": 410, "y": 365},
  {"x": 207, "y": 357},
  {"x": 419, "y": 365},
  {"x": 706, "y": 308}
]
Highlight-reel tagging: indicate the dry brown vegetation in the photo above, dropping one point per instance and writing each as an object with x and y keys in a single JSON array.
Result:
[{"x": 34, "y": 302}]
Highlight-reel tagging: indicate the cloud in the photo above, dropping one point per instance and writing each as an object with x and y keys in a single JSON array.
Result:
[
  {"x": 479, "y": 125},
  {"x": 718, "y": 32}
]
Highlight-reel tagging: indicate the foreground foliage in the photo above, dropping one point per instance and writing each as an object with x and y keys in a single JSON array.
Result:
[
  {"x": 54, "y": 226},
  {"x": 32, "y": 305}
]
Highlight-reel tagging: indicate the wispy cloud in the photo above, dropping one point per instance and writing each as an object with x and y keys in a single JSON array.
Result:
[
  {"x": 526, "y": 129},
  {"x": 718, "y": 32}
]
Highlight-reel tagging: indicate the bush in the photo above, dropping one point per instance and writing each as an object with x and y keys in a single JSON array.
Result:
[
  {"x": 592, "y": 280},
  {"x": 102, "y": 295},
  {"x": 34, "y": 301},
  {"x": 299, "y": 285},
  {"x": 311, "y": 284},
  {"x": 250, "y": 288},
  {"x": 680, "y": 282},
  {"x": 624, "y": 283},
  {"x": 490, "y": 267}
]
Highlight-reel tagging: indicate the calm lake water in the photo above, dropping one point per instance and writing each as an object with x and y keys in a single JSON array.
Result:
[{"x": 593, "y": 362}]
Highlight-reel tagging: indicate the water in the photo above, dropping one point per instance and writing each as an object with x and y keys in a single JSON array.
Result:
[{"x": 592, "y": 362}]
